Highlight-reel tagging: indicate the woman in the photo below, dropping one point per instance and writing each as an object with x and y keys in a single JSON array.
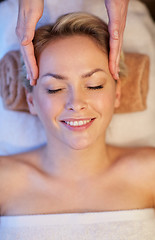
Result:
[
  {"x": 76, "y": 186},
  {"x": 31, "y": 11}
]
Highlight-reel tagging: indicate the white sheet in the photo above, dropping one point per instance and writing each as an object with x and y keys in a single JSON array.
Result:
[{"x": 20, "y": 131}]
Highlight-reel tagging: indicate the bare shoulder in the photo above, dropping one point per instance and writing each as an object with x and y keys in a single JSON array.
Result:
[
  {"x": 13, "y": 172},
  {"x": 7, "y": 177},
  {"x": 138, "y": 164},
  {"x": 141, "y": 160},
  {"x": 12, "y": 162},
  {"x": 9, "y": 167},
  {"x": 19, "y": 160},
  {"x": 137, "y": 155},
  {"x": 142, "y": 153}
]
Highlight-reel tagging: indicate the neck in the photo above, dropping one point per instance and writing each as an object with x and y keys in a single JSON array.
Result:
[{"x": 74, "y": 164}]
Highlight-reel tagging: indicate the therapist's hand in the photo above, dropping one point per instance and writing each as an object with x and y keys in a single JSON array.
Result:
[
  {"x": 30, "y": 11},
  {"x": 117, "y": 12}
]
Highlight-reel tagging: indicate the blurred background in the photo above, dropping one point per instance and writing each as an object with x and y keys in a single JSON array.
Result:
[
  {"x": 151, "y": 6},
  {"x": 149, "y": 3}
]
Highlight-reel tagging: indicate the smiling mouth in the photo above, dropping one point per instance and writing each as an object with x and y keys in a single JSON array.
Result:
[{"x": 78, "y": 123}]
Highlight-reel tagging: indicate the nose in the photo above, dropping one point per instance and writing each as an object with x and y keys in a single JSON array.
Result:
[{"x": 76, "y": 100}]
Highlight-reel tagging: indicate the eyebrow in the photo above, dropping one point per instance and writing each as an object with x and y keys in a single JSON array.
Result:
[
  {"x": 56, "y": 76},
  {"x": 61, "y": 77},
  {"x": 89, "y": 74}
]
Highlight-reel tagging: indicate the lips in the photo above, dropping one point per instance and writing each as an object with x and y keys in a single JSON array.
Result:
[{"x": 77, "y": 124}]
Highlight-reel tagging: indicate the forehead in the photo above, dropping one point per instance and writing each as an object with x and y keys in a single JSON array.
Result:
[{"x": 78, "y": 51}]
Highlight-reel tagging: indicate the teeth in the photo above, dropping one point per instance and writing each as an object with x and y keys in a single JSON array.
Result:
[{"x": 78, "y": 123}]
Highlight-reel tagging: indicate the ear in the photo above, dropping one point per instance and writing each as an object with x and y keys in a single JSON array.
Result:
[
  {"x": 31, "y": 103},
  {"x": 118, "y": 93}
]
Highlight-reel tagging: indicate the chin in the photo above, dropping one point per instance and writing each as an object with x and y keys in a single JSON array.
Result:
[{"x": 79, "y": 145}]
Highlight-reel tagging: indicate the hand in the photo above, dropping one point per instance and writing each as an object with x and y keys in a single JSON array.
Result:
[
  {"x": 30, "y": 11},
  {"x": 117, "y": 12}
]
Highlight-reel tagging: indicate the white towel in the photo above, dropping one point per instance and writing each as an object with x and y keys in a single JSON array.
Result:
[{"x": 114, "y": 225}]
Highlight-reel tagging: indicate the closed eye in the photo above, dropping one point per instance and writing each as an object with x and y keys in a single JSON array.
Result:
[
  {"x": 50, "y": 91},
  {"x": 96, "y": 87}
]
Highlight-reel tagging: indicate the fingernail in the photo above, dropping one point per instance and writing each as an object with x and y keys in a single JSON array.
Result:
[
  {"x": 117, "y": 76},
  {"x": 116, "y": 34},
  {"x": 31, "y": 82},
  {"x": 27, "y": 76}
]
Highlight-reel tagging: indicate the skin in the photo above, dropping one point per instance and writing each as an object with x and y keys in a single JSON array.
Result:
[
  {"x": 29, "y": 14},
  {"x": 117, "y": 12},
  {"x": 31, "y": 11},
  {"x": 87, "y": 174}
]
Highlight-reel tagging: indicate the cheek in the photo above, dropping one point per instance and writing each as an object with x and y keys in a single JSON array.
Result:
[
  {"x": 104, "y": 105},
  {"x": 105, "y": 102},
  {"x": 48, "y": 107}
]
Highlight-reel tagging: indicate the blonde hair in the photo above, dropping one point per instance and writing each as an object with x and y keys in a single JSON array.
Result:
[{"x": 72, "y": 24}]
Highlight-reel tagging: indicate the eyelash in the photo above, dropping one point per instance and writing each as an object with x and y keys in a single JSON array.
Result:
[
  {"x": 60, "y": 89},
  {"x": 53, "y": 91},
  {"x": 96, "y": 87}
]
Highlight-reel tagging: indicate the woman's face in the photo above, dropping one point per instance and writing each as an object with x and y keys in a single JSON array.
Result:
[{"x": 75, "y": 95}]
